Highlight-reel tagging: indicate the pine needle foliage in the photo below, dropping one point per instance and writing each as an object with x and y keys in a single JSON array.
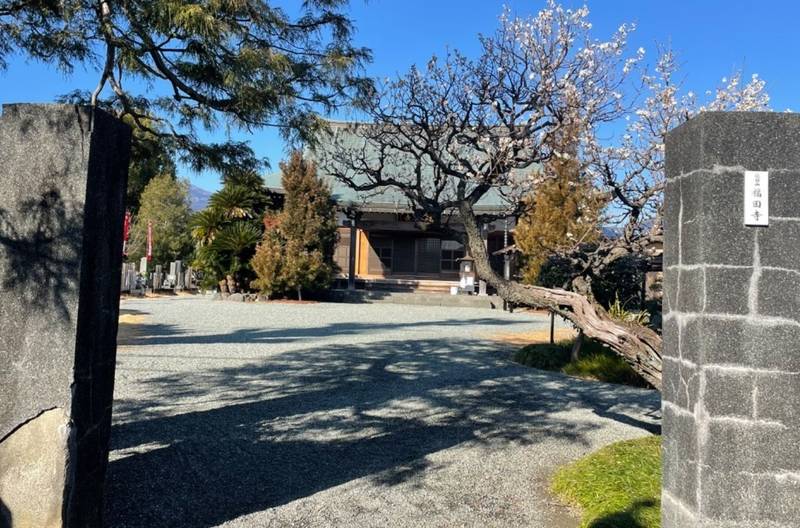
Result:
[
  {"x": 176, "y": 68},
  {"x": 563, "y": 212}
]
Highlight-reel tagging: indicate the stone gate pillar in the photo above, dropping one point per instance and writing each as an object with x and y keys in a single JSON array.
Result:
[
  {"x": 731, "y": 379},
  {"x": 63, "y": 172}
]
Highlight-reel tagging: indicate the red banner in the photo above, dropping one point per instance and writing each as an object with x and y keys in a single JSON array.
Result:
[
  {"x": 149, "y": 241},
  {"x": 126, "y": 233},
  {"x": 126, "y": 227}
]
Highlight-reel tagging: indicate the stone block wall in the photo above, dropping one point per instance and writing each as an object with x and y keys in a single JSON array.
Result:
[
  {"x": 63, "y": 173},
  {"x": 731, "y": 378}
]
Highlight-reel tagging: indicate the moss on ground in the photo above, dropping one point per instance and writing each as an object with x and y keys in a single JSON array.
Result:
[
  {"x": 618, "y": 486},
  {"x": 596, "y": 362}
]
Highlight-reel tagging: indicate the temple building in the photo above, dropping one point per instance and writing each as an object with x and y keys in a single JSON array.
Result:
[
  {"x": 380, "y": 246},
  {"x": 383, "y": 248}
]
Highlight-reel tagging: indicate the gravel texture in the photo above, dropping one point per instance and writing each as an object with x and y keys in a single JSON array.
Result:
[{"x": 293, "y": 415}]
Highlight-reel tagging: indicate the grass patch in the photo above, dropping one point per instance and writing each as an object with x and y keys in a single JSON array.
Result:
[
  {"x": 596, "y": 362},
  {"x": 618, "y": 486}
]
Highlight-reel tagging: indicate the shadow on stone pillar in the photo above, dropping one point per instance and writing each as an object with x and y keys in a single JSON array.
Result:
[
  {"x": 731, "y": 376},
  {"x": 63, "y": 172},
  {"x": 6, "y": 519}
]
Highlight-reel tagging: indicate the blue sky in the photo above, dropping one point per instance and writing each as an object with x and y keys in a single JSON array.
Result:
[{"x": 713, "y": 38}]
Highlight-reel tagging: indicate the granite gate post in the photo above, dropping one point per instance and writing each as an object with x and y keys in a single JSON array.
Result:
[
  {"x": 63, "y": 172},
  {"x": 731, "y": 378}
]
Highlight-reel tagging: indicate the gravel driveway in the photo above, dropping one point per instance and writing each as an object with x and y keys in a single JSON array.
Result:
[{"x": 289, "y": 415}]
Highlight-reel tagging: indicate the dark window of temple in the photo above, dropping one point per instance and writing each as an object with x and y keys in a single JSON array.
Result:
[{"x": 452, "y": 251}]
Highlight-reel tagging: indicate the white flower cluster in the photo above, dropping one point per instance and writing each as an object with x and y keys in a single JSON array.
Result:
[
  {"x": 543, "y": 87},
  {"x": 631, "y": 169},
  {"x": 751, "y": 97}
]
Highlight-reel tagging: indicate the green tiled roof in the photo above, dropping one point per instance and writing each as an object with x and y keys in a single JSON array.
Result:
[{"x": 387, "y": 198}]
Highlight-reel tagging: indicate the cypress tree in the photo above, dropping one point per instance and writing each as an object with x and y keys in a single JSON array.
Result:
[
  {"x": 564, "y": 211},
  {"x": 296, "y": 253}
]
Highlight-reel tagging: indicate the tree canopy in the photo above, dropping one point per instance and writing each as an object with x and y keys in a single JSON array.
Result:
[
  {"x": 165, "y": 205},
  {"x": 150, "y": 157},
  {"x": 466, "y": 126},
  {"x": 227, "y": 231},
  {"x": 564, "y": 211},
  {"x": 176, "y": 68}
]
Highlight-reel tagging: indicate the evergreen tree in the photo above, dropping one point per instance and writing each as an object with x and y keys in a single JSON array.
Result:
[
  {"x": 563, "y": 212},
  {"x": 174, "y": 68},
  {"x": 308, "y": 215},
  {"x": 164, "y": 204},
  {"x": 150, "y": 156},
  {"x": 268, "y": 262},
  {"x": 296, "y": 254}
]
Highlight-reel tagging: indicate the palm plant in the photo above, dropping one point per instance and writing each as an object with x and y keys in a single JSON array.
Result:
[
  {"x": 234, "y": 202},
  {"x": 206, "y": 224},
  {"x": 237, "y": 238},
  {"x": 228, "y": 230},
  {"x": 237, "y": 241}
]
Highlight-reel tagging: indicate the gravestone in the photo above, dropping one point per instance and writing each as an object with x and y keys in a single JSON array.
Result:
[
  {"x": 189, "y": 281},
  {"x": 731, "y": 376},
  {"x": 178, "y": 275},
  {"x": 63, "y": 171},
  {"x": 128, "y": 277},
  {"x": 158, "y": 278}
]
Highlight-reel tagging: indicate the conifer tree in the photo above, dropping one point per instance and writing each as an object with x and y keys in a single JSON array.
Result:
[
  {"x": 296, "y": 254},
  {"x": 268, "y": 261},
  {"x": 308, "y": 215},
  {"x": 176, "y": 68},
  {"x": 563, "y": 212}
]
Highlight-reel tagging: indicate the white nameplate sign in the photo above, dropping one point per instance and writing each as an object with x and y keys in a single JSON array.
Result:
[{"x": 756, "y": 198}]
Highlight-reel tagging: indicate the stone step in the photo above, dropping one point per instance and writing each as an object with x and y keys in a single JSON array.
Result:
[
  {"x": 417, "y": 298},
  {"x": 401, "y": 285}
]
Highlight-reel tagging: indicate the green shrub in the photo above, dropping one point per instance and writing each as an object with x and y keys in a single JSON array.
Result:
[
  {"x": 620, "y": 312},
  {"x": 621, "y": 280},
  {"x": 543, "y": 356},
  {"x": 618, "y": 486},
  {"x": 596, "y": 362},
  {"x": 604, "y": 365}
]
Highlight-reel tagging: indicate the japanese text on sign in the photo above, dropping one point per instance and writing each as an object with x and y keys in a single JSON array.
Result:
[{"x": 756, "y": 198}]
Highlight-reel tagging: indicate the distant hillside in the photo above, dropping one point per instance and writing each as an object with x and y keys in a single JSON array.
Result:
[{"x": 198, "y": 198}]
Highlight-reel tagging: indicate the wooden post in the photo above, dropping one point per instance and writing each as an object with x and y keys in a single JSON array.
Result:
[{"x": 351, "y": 258}]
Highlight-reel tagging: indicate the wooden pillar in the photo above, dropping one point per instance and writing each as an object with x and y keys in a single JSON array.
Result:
[{"x": 351, "y": 257}]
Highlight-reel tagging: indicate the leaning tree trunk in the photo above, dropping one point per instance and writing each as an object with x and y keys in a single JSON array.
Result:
[{"x": 638, "y": 345}]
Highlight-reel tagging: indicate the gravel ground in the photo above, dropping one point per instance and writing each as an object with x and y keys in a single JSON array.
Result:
[{"x": 346, "y": 415}]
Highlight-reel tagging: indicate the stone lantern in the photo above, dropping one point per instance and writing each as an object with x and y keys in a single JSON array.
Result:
[{"x": 466, "y": 273}]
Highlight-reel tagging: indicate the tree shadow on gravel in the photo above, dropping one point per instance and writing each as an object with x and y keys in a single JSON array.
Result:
[
  {"x": 163, "y": 334},
  {"x": 282, "y": 428}
]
